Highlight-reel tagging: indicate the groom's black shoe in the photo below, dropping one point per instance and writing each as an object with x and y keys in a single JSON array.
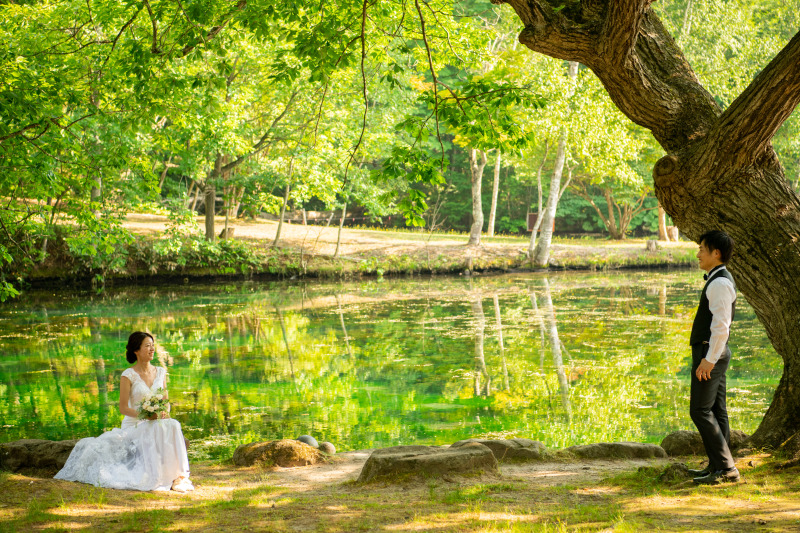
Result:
[
  {"x": 700, "y": 473},
  {"x": 720, "y": 476}
]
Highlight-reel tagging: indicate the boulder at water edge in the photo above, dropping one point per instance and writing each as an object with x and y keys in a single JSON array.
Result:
[
  {"x": 284, "y": 453},
  {"x": 429, "y": 461},
  {"x": 35, "y": 453},
  {"x": 327, "y": 448},
  {"x": 689, "y": 442},
  {"x": 509, "y": 449},
  {"x": 308, "y": 439},
  {"x": 617, "y": 450}
]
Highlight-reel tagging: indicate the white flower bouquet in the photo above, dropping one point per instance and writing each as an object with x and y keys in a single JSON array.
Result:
[{"x": 155, "y": 404}]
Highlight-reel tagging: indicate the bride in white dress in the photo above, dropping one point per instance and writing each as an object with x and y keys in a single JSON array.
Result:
[{"x": 142, "y": 454}]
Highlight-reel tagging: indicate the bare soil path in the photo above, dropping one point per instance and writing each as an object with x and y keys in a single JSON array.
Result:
[{"x": 361, "y": 244}]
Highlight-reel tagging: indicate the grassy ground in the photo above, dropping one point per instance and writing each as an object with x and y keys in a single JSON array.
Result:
[{"x": 631, "y": 497}]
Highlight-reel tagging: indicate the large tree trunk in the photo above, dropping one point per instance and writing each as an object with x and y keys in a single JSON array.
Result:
[
  {"x": 495, "y": 190},
  {"x": 720, "y": 170},
  {"x": 476, "y": 171}
]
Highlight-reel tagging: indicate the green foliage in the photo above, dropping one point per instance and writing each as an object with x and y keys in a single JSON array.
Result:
[
  {"x": 140, "y": 103},
  {"x": 99, "y": 245}
]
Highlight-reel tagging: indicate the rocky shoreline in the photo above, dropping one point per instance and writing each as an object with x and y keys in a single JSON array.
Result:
[{"x": 467, "y": 456}]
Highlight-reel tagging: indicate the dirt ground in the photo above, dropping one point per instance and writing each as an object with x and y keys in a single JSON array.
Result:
[
  {"x": 557, "y": 496},
  {"x": 346, "y": 466},
  {"x": 359, "y": 244}
]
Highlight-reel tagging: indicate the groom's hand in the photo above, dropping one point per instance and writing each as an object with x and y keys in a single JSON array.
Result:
[{"x": 703, "y": 371}]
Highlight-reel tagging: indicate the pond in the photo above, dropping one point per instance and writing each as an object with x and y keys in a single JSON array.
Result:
[{"x": 564, "y": 358}]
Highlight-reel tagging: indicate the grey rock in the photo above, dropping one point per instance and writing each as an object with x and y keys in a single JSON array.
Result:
[
  {"x": 510, "y": 449},
  {"x": 685, "y": 442},
  {"x": 617, "y": 450},
  {"x": 35, "y": 453},
  {"x": 308, "y": 439},
  {"x": 327, "y": 448},
  {"x": 286, "y": 453},
  {"x": 429, "y": 461}
]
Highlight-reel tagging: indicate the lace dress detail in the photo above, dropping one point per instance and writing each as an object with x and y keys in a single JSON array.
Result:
[{"x": 140, "y": 455}]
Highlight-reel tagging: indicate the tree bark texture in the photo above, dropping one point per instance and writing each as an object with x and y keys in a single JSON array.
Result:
[
  {"x": 720, "y": 170},
  {"x": 211, "y": 198},
  {"x": 476, "y": 171},
  {"x": 538, "y": 223},
  {"x": 541, "y": 254},
  {"x": 495, "y": 191},
  {"x": 662, "y": 224}
]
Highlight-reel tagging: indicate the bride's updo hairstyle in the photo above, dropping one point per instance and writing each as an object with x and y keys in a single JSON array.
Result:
[{"x": 134, "y": 343}]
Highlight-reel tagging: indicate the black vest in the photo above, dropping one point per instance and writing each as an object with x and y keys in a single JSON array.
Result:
[{"x": 701, "y": 328}]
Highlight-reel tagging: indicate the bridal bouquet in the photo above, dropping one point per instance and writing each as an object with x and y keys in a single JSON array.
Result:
[{"x": 155, "y": 404}]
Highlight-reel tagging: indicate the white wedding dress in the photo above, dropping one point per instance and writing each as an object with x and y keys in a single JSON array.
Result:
[{"x": 140, "y": 455}]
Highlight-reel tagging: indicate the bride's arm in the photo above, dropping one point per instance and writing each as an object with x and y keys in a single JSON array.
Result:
[{"x": 124, "y": 396}]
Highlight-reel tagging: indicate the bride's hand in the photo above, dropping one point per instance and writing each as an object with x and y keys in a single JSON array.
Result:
[{"x": 163, "y": 415}]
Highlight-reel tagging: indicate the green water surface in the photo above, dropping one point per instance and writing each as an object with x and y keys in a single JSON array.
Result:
[{"x": 584, "y": 358}]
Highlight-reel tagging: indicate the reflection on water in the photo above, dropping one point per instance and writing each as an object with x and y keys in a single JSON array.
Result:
[{"x": 566, "y": 359}]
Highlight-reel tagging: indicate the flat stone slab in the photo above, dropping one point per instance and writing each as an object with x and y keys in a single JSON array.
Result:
[
  {"x": 429, "y": 461},
  {"x": 285, "y": 453},
  {"x": 685, "y": 442},
  {"x": 617, "y": 450},
  {"x": 509, "y": 449},
  {"x": 35, "y": 453}
]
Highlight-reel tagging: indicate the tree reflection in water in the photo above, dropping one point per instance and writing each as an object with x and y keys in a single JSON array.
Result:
[{"x": 580, "y": 358}]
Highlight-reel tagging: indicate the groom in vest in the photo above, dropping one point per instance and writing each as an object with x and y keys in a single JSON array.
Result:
[{"x": 710, "y": 358}]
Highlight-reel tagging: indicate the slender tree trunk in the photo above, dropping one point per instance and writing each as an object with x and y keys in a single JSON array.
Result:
[
  {"x": 720, "y": 171},
  {"x": 495, "y": 190},
  {"x": 541, "y": 254},
  {"x": 339, "y": 233},
  {"x": 538, "y": 223},
  {"x": 211, "y": 199},
  {"x": 662, "y": 224},
  {"x": 283, "y": 213},
  {"x": 210, "y": 206},
  {"x": 613, "y": 228},
  {"x": 476, "y": 172}
]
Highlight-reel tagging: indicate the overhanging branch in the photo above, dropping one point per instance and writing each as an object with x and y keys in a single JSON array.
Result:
[{"x": 750, "y": 122}]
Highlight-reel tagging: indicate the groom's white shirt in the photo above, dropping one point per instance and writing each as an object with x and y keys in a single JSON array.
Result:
[{"x": 721, "y": 294}]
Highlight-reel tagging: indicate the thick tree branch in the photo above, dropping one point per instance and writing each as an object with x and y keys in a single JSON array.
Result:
[
  {"x": 745, "y": 129},
  {"x": 622, "y": 27}
]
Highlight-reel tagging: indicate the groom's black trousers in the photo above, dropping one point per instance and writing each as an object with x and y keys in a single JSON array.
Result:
[{"x": 709, "y": 411}]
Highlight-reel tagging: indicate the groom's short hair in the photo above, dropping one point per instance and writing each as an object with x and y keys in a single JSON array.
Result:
[{"x": 718, "y": 240}]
